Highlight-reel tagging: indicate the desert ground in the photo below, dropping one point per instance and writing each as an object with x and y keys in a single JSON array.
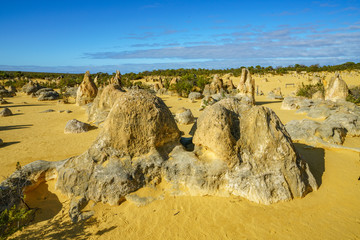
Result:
[{"x": 331, "y": 212}]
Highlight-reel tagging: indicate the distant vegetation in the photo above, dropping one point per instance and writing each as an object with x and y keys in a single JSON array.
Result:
[{"x": 72, "y": 79}]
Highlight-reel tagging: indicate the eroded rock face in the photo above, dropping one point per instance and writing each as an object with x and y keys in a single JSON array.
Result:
[
  {"x": 135, "y": 140},
  {"x": 87, "y": 91},
  {"x": 337, "y": 89},
  {"x": 105, "y": 99},
  {"x": 240, "y": 149},
  {"x": 255, "y": 157},
  {"x": 246, "y": 86}
]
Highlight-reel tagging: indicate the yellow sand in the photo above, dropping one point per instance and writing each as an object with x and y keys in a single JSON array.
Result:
[{"x": 332, "y": 212}]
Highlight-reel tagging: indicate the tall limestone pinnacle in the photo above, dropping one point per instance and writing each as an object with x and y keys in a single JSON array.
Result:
[
  {"x": 116, "y": 79},
  {"x": 246, "y": 86},
  {"x": 87, "y": 90}
]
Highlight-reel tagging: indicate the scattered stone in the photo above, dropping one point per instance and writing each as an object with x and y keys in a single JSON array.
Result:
[
  {"x": 75, "y": 126},
  {"x": 5, "y": 112},
  {"x": 195, "y": 95},
  {"x": 184, "y": 116},
  {"x": 48, "y": 110},
  {"x": 87, "y": 91}
]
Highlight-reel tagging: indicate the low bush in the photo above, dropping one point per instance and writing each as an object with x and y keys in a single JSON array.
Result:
[{"x": 308, "y": 90}]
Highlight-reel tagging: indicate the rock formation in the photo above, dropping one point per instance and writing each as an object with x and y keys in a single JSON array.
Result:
[
  {"x": 240, "y": 149},
  {"x": 337, "y": 89},
  {"x": 255, "y": 157},
  {"x": 105, "y": 99},
  {"x": 87, "y": 91},
  {"x": 31, "y": 87},
  {"x": 341, "y": 119},
  {"x": 246, "y": 86},
  {"x": 216, "y": 84},
  {"x": 46, "y": 94},
  {"x": 116, "y": 80}
]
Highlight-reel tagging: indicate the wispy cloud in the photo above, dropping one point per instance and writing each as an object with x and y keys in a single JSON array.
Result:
[
  {"x": 154, "y": 5},
  {"x": 285, "y": 42}
]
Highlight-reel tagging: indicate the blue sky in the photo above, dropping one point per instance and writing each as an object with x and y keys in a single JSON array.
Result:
[{"x": 75, "y": 36}]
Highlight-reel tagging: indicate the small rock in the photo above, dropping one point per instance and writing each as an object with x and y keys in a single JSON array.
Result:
[
  {"x": 5, "y": 112},
  {"x": 47, "y": 111},
  {"x": 75, "y": 126},
  {"x": 1, "y": 142},
  {"x": 184, "y": 116}
]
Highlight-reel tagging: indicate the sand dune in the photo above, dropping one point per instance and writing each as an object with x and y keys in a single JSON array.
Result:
[{"x": 332, "y": 212}]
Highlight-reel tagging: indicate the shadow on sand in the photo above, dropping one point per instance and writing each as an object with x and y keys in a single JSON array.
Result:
[
  {"x": 5, "y": 144},
  {"x": 315, "y": 157},
  {"x": 13, "y": 127},
  {"x": 266, "y": 102},
  {"x": 58, "y": 226}
]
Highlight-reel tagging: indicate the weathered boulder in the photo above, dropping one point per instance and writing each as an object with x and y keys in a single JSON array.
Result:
[
  {"x": 246, "y": 86},
  {"x": 195, "y": 95},
  {"x": 337, "y": 89},
  {"x": 184, "y": 116},
  {"x": 75, "y": 126},
  {"x": 105, "y": 99},
  {"x": 70, "y": 92},
  {"x": 255, "y": 157},
  {"x": 1, "y": 142},
  {"x": 135, "y": 140},
  {"x": 5, "y": 112},
  {"x": 31, "y": 87},
  {"x": 87, "y": 91},
  {"x": 46, "y": 94}
]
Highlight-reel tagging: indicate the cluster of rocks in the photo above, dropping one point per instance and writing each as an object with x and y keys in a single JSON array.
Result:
[
  {"x": 340, "y": 118},
  {"x": 46, "y": 94},
  {"x": 10, "y": 92},
  {"x": 239, "y": 149},
  {"x": 245, "y": 91},
  {"x": 31, "y": 87}
]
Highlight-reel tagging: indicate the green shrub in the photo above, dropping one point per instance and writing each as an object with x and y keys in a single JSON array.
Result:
[
  {"x": 308, "y": 90},
  {"x": 354, "y": 95}
]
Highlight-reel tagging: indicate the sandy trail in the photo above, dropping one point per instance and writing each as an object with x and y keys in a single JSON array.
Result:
[{"x": 332, "y": 212}]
